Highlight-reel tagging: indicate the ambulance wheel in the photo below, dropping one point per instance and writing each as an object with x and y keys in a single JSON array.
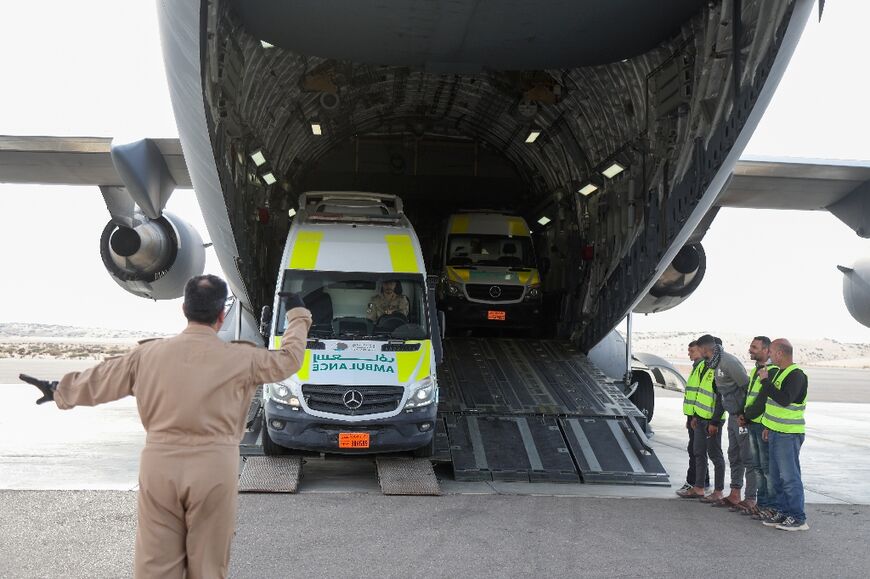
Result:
[
  {"x": 427, "y": 451},
  {"x": 644, "y": 397},
  {"x": 270, "y": 447}
]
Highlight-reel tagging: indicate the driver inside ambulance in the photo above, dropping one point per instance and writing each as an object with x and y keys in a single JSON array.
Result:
[{"x": 388, "y": 301}]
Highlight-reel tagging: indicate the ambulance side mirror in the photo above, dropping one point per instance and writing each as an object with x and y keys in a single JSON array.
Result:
[
  {"x": 266, "y": 321},
  {"x": 437, "y": 318}
]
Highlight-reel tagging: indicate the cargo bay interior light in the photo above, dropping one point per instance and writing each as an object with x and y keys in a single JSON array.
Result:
[
  {"x": 587, "y": 189},
  {"x": 613, "y": 170},
  {"x": 544, "y": 220},
  {"x": 534, "y": 133},
  {"x": 265, "y": 44},
  {"x": 258, "y": 158},
  {"x": 292, "y": 212},
  {"x": 269, "y": 178},
  {"x": 316, "y": 128}
]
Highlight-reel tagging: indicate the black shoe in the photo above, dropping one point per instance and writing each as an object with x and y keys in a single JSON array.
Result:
[
  {"x": 773, "y": 519},
  {"x": 792, "y": 524}
]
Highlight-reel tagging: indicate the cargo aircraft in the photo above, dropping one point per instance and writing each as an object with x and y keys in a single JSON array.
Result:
[{"x": 614, "y": 128}]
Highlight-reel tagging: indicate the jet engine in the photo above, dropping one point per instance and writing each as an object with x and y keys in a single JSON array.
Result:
[
  {"x": 679, "y": 280},
  {"x": 856, "y": 290},
  {"x": 154, "y": 258}
]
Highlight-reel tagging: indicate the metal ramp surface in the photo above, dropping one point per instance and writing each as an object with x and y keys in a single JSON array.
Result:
[
  {"x": 270, "y": 474},
  {"x": 407, "y": 476},
  {"x": 537, "y": 410}
]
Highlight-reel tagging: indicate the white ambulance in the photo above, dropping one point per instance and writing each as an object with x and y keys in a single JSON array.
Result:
[
  {"x": 488, "y": 273},
  {"x": 367, "y": 383}
]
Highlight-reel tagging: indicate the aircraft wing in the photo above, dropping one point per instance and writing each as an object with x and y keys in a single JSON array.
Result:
[
  {"x": 75, "y": 161},
  {"x": 756, "y": 183},
  {"x": 841, "y": 187}
]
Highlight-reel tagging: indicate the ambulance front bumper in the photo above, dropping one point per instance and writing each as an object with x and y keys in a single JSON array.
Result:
[
  {"x": 409, "y": 430},
  {"x": 462, "y": 313}
]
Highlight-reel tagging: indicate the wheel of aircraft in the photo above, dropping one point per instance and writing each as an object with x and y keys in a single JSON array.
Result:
[{"x": 644, "y": 397}]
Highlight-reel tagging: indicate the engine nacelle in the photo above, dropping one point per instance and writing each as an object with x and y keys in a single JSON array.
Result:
[
  {"x": 154, "y": 259},
  {"x": 856, "y": 290},
  {"x": 679, "y": 280}
]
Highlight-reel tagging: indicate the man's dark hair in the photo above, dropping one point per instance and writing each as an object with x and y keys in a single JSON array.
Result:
[
  {"x": 706, "y": 340},
  {"x": 718, "y": 340},
  {"x": 693, "y": 344},
  {"x": 765, "y": 341},
  {"x": 204, "y": 298}
]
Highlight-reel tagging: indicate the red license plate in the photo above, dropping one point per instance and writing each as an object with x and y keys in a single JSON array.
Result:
[
  {"x": 495, "y": 315},
  {"x": 353, "y": 440}
]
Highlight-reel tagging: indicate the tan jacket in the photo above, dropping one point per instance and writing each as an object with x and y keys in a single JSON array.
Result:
[
  {"x": 192, "y": 388},
  {"x": 381, "y": 305}
]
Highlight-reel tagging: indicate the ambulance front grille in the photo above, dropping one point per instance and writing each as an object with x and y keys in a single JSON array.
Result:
[
  {"x": 331, "y": 398},
  {"x": 494, "y": 293}
]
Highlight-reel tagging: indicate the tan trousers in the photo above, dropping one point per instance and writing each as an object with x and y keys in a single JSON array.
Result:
[{"x": 187, "y": 511}]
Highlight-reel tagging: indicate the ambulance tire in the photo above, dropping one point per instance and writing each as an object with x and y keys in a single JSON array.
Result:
[
  {"x": 427, "y": 451},
  {"x": 644, "y": 397},
  {"x": 270, "y": 447}
]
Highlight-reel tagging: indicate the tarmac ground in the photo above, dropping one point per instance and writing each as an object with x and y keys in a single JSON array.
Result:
[{"x": 67, "y": 510}]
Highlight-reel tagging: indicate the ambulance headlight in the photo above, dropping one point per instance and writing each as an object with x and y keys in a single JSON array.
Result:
[
  {"x": 422, "y": 393},
  {"x": 282, "y": 392},
  {"x": 454, "y": 289}
]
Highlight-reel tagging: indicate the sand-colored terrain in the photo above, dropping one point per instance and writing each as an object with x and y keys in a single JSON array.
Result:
[
  {"x": 41, "y": 341},
  {"x": 815, "y": 352}
]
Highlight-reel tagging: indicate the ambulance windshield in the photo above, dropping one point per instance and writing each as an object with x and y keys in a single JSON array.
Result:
[
  {"x": 472, "y": 250},
  {"x": 360, "y": 306}
]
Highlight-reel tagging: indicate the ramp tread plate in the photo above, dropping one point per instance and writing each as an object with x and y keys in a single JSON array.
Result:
[
  {"x": 271, "y": 474},
  {"x": 509, "y": 448},
  {"x": 605, "y": 452},
  {"x": 513, "y": 376},
  {"x": 407, "y": 476}
]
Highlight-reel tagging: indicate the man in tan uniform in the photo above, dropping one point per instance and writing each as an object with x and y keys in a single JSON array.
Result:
[
  {"x": 193, "y": 392},
  {"x": 387, "y": 302}
]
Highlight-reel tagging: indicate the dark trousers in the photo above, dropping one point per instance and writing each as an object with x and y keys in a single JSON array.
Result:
[
  {"x": 690, "y": 474},
  {"x": 708, "y": 446}
]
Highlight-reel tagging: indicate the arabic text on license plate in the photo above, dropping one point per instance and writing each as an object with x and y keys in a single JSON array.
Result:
[
  {"x": 353, "y": 440},
  {"x": 495, "y": 315}
]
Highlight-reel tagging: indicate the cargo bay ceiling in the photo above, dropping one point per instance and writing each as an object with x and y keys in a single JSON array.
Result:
[{"x": 438, "y": 102}]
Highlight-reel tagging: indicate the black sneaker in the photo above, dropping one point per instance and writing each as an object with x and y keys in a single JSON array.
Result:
[
  {"x": 759, "y": 516},
  {"x": 792, "y": 524},
  {"x": 773, "y": 519},
  {"x": 683, "y": 488}
]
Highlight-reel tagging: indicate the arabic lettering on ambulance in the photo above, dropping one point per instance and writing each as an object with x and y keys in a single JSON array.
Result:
[
  {"x": 343, "y": 358},
  {"x": 330, "y": 362}
]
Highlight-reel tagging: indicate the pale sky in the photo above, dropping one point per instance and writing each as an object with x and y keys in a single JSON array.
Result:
[{"x": 95, "y": 68}]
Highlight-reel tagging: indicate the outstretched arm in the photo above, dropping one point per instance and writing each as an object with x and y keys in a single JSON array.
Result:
[{"x": 109, "y": 380}]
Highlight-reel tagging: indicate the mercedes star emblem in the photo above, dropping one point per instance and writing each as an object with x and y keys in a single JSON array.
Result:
[
  {"x": 494, "y": 291},
  {"x": 353, "y": 399}
]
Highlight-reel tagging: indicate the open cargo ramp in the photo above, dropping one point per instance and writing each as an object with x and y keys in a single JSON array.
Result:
[
  {"x": 537, "y": 410},
  {"x": 526, "y": 410}
]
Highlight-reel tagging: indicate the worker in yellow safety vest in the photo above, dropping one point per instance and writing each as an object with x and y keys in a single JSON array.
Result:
[
  {"x": 753, "y": 409},
  {"x": 706, "y": 424},
  {"x": 689, "y": 395},
  {"x": 784, "y": 425}
]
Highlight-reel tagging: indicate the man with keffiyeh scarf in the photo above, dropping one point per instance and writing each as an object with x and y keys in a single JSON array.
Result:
[{"x": 730, "y": 384}]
